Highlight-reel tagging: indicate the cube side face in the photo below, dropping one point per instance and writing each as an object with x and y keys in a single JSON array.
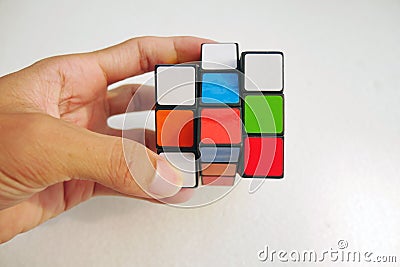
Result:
[
  {"x": 264, "y": 114},
  {"x": 264, "y": 71},
  {"x": 219, "y": 56},
  {"x": 175, "y": 114},
  {"x": 175, "y": 85}
]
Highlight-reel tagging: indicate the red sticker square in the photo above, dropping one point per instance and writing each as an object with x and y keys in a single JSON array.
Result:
[
  {"x": 263, "y": 157},
  {"x": 221, "y": 126}
]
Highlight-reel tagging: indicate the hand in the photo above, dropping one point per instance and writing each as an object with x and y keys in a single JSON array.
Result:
[{"x": 56, "y": 147}]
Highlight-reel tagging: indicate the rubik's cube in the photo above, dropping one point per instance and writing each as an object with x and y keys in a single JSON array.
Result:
[{"x": 222, "y": 116}]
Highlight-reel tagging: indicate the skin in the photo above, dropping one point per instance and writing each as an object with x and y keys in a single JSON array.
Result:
[{"x": 56, "y": 148}]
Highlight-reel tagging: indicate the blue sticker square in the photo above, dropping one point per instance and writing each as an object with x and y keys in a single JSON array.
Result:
[{"x": 220, "y": 88}]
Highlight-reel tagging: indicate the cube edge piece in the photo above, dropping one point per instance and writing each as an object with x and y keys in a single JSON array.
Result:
[
  {"x": 215, "y": 178},
  {"x": 265, "y": 94},
  {"x": 233, "y": 149},
  {"x": 195, "y": 127},
  {"x": 237, "y": 62},
  {"x": 216, "y": 102},
  {"x": 243, "y": 59},
  {"x": 157, "y": 66}
]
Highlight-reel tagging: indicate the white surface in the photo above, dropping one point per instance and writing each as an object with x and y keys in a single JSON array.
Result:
[
  {"x": 184, "y": 163},
  {"x": 341, "y": 144},
  {"x": 263, "y": 72},
  {"x": 219, "y": 56},
  {"x": 176, "y": 85}
]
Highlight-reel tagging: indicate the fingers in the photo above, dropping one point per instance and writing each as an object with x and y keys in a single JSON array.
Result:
[
  {"x": 145, "y": 137},
  {"x": 182, "y": 196},
  {"x": 120, "y": 98},
  {"x": 139, "y": 55},
  {"x": 51, "y": 151},
  {"x": 123, "y": 165}
]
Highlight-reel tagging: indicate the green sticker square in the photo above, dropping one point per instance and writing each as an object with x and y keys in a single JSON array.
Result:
[{"x": 263, "y": 114}]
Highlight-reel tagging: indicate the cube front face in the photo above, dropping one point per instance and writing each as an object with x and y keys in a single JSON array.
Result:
[{"x": 224, "y": 122}]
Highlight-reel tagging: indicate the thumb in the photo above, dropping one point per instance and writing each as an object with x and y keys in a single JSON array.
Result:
[{"x": 123, "y": 165}]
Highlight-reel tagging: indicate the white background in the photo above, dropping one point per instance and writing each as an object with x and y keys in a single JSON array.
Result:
[{"x": 342, "y": 140}]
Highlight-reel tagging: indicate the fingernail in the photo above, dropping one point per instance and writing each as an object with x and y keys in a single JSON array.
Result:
[{"x": 166, "y": 181}]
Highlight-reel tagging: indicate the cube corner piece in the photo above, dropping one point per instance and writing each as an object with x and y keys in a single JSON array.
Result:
[
  {"x": 263, "y": 71},
  {"x": 186, "y": 164},
  {"x": 263, "y": 157},
  {"x": 219, "y": 56},
  {"x": 176, "y": 85}
]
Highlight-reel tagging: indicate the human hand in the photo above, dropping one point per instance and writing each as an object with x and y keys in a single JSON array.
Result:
[{"x": 56, "y": 147}]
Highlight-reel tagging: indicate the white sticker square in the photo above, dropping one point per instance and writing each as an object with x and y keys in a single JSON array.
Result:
[
  {"x": 176, "y": 85},
  {"x": 263, "y": 71},
  {"x": 184, "y": 162},
  {"x": 219, "y": 56}
]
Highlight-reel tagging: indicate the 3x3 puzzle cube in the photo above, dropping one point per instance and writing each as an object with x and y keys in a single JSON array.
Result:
[{"x": 222, "y": 116}]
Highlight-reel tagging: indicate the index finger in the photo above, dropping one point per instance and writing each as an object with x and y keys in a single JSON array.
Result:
[{"x": 139, "y": 55}]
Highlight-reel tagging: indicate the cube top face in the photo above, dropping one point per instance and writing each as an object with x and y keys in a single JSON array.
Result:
[
  {"x": 263, "y": 70},
  {"x": 220, "y": 88},
  {"x": 220, "y": 126},
  {"x": 184, "y": 163},
  {"x": 263, "y": 157},
  {"x": 175, "y": 128},
  {"x": 263, "y": 114},
  {"x": 219, "y": 56},
  {"x": 176, "y": 85}
]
